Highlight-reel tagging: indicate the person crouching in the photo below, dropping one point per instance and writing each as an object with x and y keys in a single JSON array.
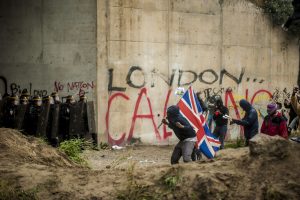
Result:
[
  {"x": 274, "y": 123},
  {"x": 184, "y": 132}
]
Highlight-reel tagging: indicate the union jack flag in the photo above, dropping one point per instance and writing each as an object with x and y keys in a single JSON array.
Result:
[{"x": 190, "y": 108}]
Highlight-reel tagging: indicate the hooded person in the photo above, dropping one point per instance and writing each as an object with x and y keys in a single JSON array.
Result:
[
  {"x": 295, "y": 104},
  {"x": 249, "y": 121},
  {"x": 184, "y": 132},
  {"x": 221, "y": 120},
  {"x": 274, "y": 123}
]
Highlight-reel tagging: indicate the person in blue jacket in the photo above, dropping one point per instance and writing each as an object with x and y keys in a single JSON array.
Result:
[
  {"x": 249, "y": 121},
  {"x": 184, "y": 132}
]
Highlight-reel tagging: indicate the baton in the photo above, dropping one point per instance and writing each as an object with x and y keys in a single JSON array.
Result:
[{"x": 159, "y": 125}]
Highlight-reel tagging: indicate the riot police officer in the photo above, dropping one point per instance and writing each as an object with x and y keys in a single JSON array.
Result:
[
  {"x": 33, "y": 116},
  {"x": 1, "y": 110},
  {"x": 53, "y": 118},
  {"x": 25, "y": 94},
  {"x": 48, "y": 100},
  {"x": 65, "y": 117},
  {"x": 10, "y": 111},
  {"x": 48, "y": 103},
  {"x": 82, "y": 98},
  {"x": 55, "y": 97},
  {"x": 84, "y": 118},
  {"x": 24, "y": 100}
]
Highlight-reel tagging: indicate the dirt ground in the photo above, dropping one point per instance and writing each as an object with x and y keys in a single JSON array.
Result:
[{"x": 144, "y": 172}]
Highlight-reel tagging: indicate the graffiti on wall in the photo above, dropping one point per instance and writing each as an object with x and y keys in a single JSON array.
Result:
[
  {"x": 18, "y": 89},
  {"x": 77, "y": 87},
  {"x": 230, "y": 101},
  {"x": 259, "y": 97},
  {"x": 208, "y": 76}
]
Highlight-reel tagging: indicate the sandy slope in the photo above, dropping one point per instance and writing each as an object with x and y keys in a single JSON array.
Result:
[{"x": 144, "y": 172}]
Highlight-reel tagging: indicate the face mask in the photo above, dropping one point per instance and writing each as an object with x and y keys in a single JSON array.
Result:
[
  {"x": 271, "y": 112},
  {"x": 25, "y": 102},
  {"x": 56, "y": 98},
  {"x": 39, "y": 103},
  {"x": 51, "y": 101},
  {"x": 16, "y": 102}
]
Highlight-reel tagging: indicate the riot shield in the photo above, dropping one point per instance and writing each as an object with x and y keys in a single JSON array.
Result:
[
  {"x": 76, "y": 120},
  {"x": 43, "y": 121},
  {"x": 3, "y": 104},
  {"x": 20, "y": 116},
  {"x": 1, "y": 113},
  {"x": 91, "y": 117},
  {"x": 54, "y": 123}
]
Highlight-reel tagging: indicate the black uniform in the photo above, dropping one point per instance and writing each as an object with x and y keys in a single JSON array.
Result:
[
  {"x": 32, "y": 119},
  {"x": 64, "y": 121},
  {"x": 221, "y": 122},
  {"x": 10, "y": 116}
]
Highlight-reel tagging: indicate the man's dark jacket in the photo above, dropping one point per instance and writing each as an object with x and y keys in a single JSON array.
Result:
[
  {"x": 250, "y": 120},
  {"x": 174, "y": 116},
  {"x": 218, "y": 117}
]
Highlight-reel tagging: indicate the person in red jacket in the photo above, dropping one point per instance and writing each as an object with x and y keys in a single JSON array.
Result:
[{"x": 274, "y": 123}]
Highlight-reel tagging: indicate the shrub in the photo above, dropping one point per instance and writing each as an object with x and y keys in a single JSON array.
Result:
[
  {"x": 279, "y": 10},
  {"x": 240, "y": 142},
  {"x": 73, "y": 148}
]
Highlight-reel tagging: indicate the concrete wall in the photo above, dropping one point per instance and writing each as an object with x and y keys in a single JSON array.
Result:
[
  {"x": 147, "y": 48},
  {"x": 48, "y": 45},
  {"x": 139, "y": 51}
]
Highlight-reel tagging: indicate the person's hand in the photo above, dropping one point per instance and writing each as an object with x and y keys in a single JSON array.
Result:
[
  {"x": 295, "y": 90},
  {"x": 164, "y": 121},
  {"x": 286, "y": 101},
  {"x": 217, "y": 113},
  {"x": 179, "y": 125}
]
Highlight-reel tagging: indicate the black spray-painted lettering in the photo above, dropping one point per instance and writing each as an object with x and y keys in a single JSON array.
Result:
[
  {"x": 208, "y": 71},
  {"x": 186, "y": 71},
  {"x": 237, "y": 80},
  {"x": 128, "y": 78},
  {"x": 110, "y": 82}
]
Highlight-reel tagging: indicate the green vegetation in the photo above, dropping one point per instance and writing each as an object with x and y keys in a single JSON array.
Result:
[
  {"x": 239, "y": 142},
  {"x": 172, "y": 181},
  {"x": 73, "y": 148},
  {"x": 8, "y": 192},
  {"x": 104, "y": 145},
  {"x": 172, "y": 178},
  {"x": 279, "y": 11}
]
